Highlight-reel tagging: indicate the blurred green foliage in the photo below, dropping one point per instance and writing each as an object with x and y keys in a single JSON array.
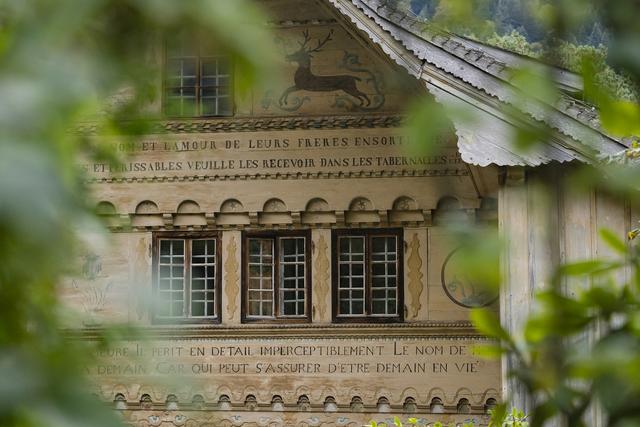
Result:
[
  {"x": 580, "y": 347},
  {"x": 63, "y": 62},
  {"x": 498, "y": 418}
]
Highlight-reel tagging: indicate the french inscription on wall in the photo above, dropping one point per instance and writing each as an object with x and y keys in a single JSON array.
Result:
[
  {"x": 279, "y": 152},
  {"x": 394, "y": 363}
]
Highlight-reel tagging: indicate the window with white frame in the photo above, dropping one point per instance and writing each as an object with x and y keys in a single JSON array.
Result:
[
  {"x": 367, "y": 277},
  {"x": 276, "y": 277},
  {"x": 187, "y": 278}
]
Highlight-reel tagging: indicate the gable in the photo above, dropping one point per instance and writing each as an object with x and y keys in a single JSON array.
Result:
[
  {"x": 462, "y": 75},
  {"x": 324, "y": 69}
]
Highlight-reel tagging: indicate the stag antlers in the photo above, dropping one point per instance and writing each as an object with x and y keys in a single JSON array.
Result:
[{"x": 307, "y": 38}]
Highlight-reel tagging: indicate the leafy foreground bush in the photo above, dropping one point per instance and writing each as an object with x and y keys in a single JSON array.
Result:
[{"x": 499, "y": 418}]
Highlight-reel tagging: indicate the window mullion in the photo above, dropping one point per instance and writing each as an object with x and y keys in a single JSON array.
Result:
[
  {"x": 276, "y": 277},
  {"x": 368, "y": 272},
  {"x": 198, "y": 83},
  {"x": 187, "y": 277}
]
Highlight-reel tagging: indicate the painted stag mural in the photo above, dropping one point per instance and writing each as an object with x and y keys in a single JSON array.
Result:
[{"x": 349, "y": 96}]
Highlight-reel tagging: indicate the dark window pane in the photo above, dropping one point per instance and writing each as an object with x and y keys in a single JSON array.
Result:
[
  {"x": 378, "y": 282},
  {"x": 224, "y": 106},
  {"x": 224, "y": 82},
  {"x": 379, "y": 244},
  {"x": 289, "y": 246},
  {"x": 198, "y": 247},
  {"x": 344, "y": 245},
  {"x": 358, "y": 307},
  {"x": 357, "y": 245},
  {"x": 378, "y": 307},
  {"x": 209, "y": 106},
  {"x": 165, "y": 247},
  {"x": 289, "y": 308},
  {"x": 344, "y": 269},
  {"x": 254, "y": 308},
  {"x": 391, "y": 306},
  {"x": 197, "y": 271},
  {"x": 344, "y": 307},
  {"x": 358, "y": 269},
  {"x": 266, "y": 308},
  {"x": 378, "y": 294},
  {"x": 197, "y": 308},
  {"x": 378, "y": 269},
  {"x": 289, "y": 270}
]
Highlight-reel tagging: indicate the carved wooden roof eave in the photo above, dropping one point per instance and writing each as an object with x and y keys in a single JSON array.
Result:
[{"x": 451, "y": 79}]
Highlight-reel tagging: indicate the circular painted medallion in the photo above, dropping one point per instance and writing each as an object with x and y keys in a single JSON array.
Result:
[{"x": 460, "y": 288}]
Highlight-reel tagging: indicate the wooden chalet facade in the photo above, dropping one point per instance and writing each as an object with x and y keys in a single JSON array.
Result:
[{"x": 286, "y": 252}]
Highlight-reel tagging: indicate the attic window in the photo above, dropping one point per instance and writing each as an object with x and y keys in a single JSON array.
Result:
[{"x": 197, "y": 80}]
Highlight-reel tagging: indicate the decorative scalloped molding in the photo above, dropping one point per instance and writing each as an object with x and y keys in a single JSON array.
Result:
[
  {"x": 342, "y": 392},
  {"x": 296, "y": 175}
]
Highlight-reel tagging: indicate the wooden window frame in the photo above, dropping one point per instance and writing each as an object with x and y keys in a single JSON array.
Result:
[
  {"x": 275, "y": 235},
  {"x": 367, "y": 233},
  {"x": 187, "y": 236},
  {"x": 198, "y": 105}
]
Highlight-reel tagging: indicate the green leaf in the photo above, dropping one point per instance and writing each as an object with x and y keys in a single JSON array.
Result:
[
  {"x": 612, "y": 239},
  {"x": 590, "y": 267},
  {"x": 397, "y": 421},
  {"x": 488, "y": 323},
  {"x": 621, "y": 118},
  {"x": 498, "y": 415},
  {"x": 488, "y": 351}
]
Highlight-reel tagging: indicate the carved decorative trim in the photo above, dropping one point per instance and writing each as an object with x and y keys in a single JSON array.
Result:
[
  {"x": 321, "y": 277},
  {"x": 232, "y": 284},
  {"x": 431, "y": 329},
  {"x": 296, "y": 175},
  {"x": 301, "y": 23},
  {"x": 261, "y": 124},
  {"x": 343, "y": 418},
  {"x": 414, "y": 262}
]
